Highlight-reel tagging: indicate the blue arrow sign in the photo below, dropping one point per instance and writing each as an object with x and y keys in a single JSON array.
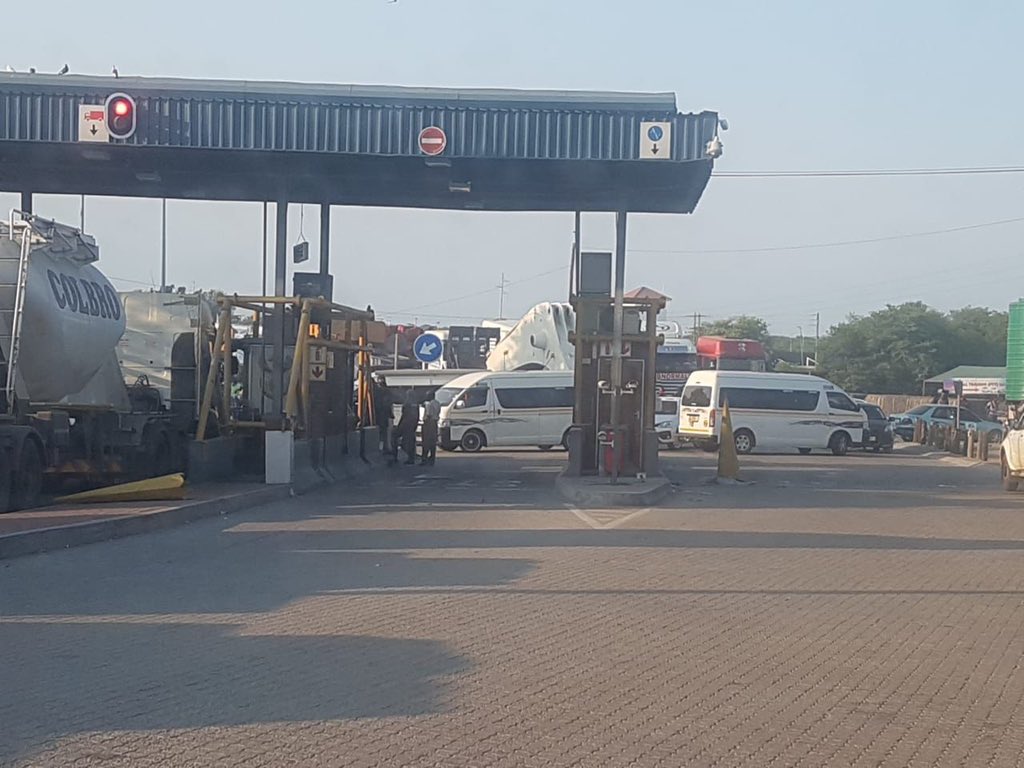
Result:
[
  {"x": 655, "y": 133},
  {"x": 427, "y": 347}
]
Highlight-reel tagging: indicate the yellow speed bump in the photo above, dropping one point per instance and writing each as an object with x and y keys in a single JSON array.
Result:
[{"x": 165, "y": 488}]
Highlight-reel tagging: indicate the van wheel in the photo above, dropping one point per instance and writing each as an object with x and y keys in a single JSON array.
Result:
[
  {"x": 744, "y": 440},
  {"x": 1010, "y": 483},
  {"x": 545, "y": 447},
  {"x": 565, "y": 440},
  {"x": 804, "y": 451},
  {"x": 708, "y": 446},
  {"x": 472, "y": 441},
  {"x": 28, "y": 481},
  {"x": 840, "y": 444}
]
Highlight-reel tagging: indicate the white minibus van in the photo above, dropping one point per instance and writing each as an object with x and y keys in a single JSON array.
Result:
[
  {"x": 506, "y": 408},
  {"x": 771, "y": 411}
]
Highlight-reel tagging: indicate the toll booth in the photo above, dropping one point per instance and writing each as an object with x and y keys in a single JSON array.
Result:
[{"x": 600, "y": 442}]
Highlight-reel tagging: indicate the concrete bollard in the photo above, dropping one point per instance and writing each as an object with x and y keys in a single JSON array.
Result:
[
  {"x": 962, "y": 438},
  {"x": 983, "y": 448},
  {"x": 919, "y": 432},
  {"x": 972, "y": 444}
]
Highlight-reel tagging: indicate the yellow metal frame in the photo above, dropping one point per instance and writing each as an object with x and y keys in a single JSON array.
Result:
[{"x": 296, "y": 408}]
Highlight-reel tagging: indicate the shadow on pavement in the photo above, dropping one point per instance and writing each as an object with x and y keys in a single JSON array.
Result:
[
  {"x": 272, "y": 571},
  {"x": 352, "y": 541},
  {"x": 75, "y": 678}
]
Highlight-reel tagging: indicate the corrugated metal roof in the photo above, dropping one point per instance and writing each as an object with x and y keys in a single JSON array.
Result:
[
  {"x": 969, "y": 372},
  {"x": 608, "y": 100},
  {"x": 348, "y": 119}
]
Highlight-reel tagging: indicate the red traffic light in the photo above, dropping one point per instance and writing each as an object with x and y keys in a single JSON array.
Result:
[{"x": 120, "y": 109}]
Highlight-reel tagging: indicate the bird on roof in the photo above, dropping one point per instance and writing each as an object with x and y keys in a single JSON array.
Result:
[
  {"x": 113, "y": 71},
  {"x": 64, "y": 70},
  {"x": 31, "y": 70}
]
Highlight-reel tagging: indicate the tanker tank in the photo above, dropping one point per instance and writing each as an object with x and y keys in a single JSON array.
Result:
[{"x": 72, "y": 317}]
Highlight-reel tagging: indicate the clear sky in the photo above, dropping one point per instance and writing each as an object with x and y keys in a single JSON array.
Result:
[{"x": 804, "y": 85}]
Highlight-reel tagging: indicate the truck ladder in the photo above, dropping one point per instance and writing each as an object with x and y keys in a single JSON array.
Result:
[{"x": 12, "y": 344}]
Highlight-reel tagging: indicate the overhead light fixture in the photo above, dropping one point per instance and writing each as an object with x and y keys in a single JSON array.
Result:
[
  {"x": 148, "y": 176},
  {"x": 460, "y": 186}
]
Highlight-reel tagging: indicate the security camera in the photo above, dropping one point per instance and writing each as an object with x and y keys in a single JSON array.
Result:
[{"x": 723, "y": 124}]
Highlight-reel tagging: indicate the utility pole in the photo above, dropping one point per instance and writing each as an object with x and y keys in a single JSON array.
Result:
[
  {"x": 817, "y": 338},
  {"x": 501, "y": 297},
  {"x": 803, "y": 360},
  {"x": 163, "y": 246}
]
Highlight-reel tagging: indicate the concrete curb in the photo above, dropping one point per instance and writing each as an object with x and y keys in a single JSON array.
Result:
[
  {"x": 77, "y": 534},
  {"x": 591, "y": 492}
]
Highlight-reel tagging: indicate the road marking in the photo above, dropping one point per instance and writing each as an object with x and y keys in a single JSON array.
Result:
[{"x": 606, "y": 518}]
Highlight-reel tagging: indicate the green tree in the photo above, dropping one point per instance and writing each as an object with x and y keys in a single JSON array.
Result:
[
  {"x": 891, "y": 350},
  {"x": 738, "y": 327},
  {"x": 979, "y": 336}
]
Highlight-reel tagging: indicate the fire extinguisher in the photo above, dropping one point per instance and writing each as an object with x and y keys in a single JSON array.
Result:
[{"x": 607, "y": 437}]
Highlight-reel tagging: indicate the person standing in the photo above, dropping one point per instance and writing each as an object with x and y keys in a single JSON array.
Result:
[
  {"x": 384, "y": 413},
  {"x": 406, "y": 430},
  {"x": 431, "y": 417}
]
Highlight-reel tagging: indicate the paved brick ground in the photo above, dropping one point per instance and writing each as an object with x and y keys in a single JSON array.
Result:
[{"x": 861, "y": 611}]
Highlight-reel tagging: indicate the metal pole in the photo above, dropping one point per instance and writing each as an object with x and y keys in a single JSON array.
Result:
[
  {"x": 620, "y": 281},
  {"x": 81, "y": 215},
  {"x": 163, "y": 245},
  {"x": 817, "y": 338},
  {"x": 325, "y": 241},
  {"x": 501, "y": 297},
  {"x": 574, "y": 272},
  {"x": 396, "y": 349},
  {"x": 280, "y": 277},
  {"x": 264, "y": 249},
  {"x": 263, "y": 311},
  {"x": 26, "y": 202}
]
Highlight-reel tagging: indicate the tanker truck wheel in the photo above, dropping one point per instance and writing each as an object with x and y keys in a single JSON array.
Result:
[
  {"x": 159, "y": 457},
  {"x": 28, "y": 478}
]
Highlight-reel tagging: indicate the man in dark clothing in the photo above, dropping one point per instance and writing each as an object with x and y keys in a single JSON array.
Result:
[
  {"x": 431, "y": 417},
  {"x": 406, "y": 430},
  {"x": 384, "y": 414}
]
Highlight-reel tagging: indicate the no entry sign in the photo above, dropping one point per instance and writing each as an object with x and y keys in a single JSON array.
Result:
[{"x": 432, "y": 140}]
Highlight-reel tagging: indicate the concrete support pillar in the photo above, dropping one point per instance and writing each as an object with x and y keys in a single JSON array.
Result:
[
  {"x": 617, "y": 298},
  {"x": 278, "y": 335},
  {"x": 325, "y": 240}
]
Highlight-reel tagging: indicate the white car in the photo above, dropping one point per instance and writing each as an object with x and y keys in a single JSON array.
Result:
[
  {"x": 666, "y": 422},
  {"x": 1011, "y": 458}
]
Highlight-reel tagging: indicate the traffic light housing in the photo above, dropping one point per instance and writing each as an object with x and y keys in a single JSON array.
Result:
[{"x": 120, "y": 115}]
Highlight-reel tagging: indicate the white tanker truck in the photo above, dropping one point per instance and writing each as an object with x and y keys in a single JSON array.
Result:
[{"x": 65, "y": 410}]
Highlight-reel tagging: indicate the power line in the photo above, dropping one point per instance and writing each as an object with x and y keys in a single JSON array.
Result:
[
  {"x": 810, "y": 174},
  {"x": 481, "y": 292},
  {"x": 834, "y": 244}
]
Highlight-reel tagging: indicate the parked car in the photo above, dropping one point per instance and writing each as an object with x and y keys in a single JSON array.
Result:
[
  {"x": 879, "y": 434},
  {"x": 903, "y": 423},
  {"x": 1011, "y": 457},
  {"x": 666, "y": 422}
]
